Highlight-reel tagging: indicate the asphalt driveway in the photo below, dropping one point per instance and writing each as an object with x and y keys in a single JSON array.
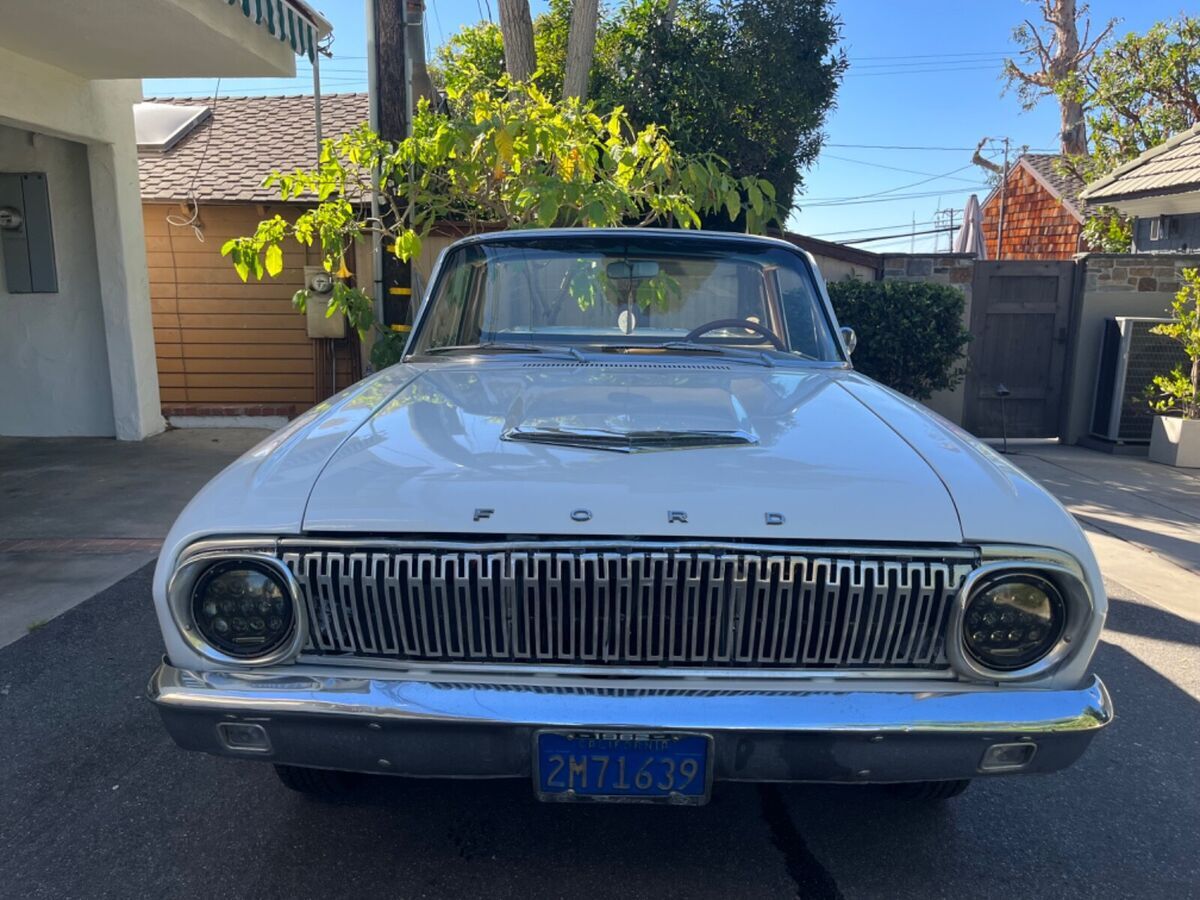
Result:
[{"x": 96, "y": 802}]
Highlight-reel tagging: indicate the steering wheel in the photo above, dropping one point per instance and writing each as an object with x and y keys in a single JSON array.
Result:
[{"x": 762, "y": 330}]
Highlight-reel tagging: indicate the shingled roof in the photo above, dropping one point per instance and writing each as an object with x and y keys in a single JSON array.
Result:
[
  {"x": 1066, "y": 187},
  {"x": 1172, "y": 167},
  {"x": 231, "y": 152}
]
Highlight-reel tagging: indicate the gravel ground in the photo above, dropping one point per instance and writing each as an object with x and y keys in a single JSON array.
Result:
[{"x": 95, "y": 801}]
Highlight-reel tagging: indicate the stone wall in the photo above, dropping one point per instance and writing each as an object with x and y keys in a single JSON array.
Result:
[
  {"x": 1142, "y": 273},
  {"x": 956, "y": 270}
]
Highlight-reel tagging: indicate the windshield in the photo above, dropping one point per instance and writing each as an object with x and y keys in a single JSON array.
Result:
[{"x": 625, "y": 292}]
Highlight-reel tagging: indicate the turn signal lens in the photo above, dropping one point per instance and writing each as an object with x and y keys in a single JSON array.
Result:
[
  {"x": 242, "y": 608},
  {"x": 1013, "y": 620}
]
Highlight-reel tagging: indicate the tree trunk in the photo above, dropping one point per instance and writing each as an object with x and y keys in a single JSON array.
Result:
[
  {"x": 516, "y": 27},
  {"x": 1074, "y": 131},
  {"x": 1073, "y": 134},
  {"x": 422, "y": 84},
  {"x": 581, "y": 47}
]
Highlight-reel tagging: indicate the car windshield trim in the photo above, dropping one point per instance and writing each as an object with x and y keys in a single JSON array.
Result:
[{"x": 801, "y": 319}]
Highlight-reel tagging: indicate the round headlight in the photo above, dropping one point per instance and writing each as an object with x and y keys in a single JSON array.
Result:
[
  {"x": 242, "y": 608},
  {"x": 1013, "y": 620}
]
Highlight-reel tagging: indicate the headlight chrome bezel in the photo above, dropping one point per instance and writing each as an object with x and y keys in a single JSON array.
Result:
[
  {"x": 179, "y": 596},
  {"x": 1078, "y": 610}
]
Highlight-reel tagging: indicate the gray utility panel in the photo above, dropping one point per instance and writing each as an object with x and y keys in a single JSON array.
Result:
[{"x": 26, "y": 238}]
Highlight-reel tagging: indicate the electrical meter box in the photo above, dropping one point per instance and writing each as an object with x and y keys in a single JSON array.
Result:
[
  {"x": 26, "y": 238},
  {"x": 320, "y": 288}
]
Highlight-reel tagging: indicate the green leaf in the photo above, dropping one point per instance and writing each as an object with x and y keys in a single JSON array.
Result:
[
  {"x": 547, "y": 209},
  {"x": 274, "y": 260},
  {"x": 733, "y": 203}
]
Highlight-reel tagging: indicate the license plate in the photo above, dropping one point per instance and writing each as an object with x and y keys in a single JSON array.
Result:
[{"x": 622, "y": 766}]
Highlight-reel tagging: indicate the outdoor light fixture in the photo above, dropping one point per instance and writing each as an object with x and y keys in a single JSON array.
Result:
[{"x": 1013, "y": 620}]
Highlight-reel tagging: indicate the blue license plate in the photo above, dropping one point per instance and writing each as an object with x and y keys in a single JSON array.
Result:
[{"x": 622, "y": 766}]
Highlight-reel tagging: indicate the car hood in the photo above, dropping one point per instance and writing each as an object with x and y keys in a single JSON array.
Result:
[{"x": 649, "y": 449}]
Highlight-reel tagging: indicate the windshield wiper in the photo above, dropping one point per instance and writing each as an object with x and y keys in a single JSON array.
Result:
[
  {"x": 507, "y": 347},
  {"x": 753, "y": 357}
]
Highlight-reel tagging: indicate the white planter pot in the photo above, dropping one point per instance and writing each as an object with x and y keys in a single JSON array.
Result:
[{"x": 1176, "y": 442}]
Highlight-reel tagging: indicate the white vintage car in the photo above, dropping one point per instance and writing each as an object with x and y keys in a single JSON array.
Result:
[{"x": 626, "y": 522}]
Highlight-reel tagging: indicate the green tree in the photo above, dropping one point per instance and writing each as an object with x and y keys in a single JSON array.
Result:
[
  {"x": 516, "y": 160},
  {"x": 1137, "y": 93},
  {"x": 749, "y": 80}
]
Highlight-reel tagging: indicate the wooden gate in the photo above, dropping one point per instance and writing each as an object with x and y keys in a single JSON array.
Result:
[{"x": 1020, "y": 311}]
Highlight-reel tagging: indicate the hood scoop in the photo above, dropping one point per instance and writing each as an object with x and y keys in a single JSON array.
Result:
[
  {"x": 628, "y": 441},
  {"x": 650, "y": 412},
  {"x": 627, "y": 364}
]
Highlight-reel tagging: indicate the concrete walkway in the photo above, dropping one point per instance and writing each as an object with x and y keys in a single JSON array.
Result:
[
  {"x": 79, "y": 514},
  {"x": 1142, "y": 518}
]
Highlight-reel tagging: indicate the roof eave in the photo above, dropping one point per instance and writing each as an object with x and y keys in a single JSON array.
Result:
[{"x": 1143, "y": 158}]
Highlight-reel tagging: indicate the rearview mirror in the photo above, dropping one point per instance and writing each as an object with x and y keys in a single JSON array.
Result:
[
  {"x": 640, "y": 268},
  {"x": 849, "y": 338}
]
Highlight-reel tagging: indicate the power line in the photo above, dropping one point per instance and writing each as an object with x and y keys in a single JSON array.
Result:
[
  {"x": 935, "y": 71},
  {"x": 900, "y": 187},
  {"x": 892, "y": 198},
  {"x": 885, "y": 237},
  {"x": 874, "y": 165},
  {"x": 872, "y": 229},
  {"x": 915, "y": 147},
  {"x": 940, "y": 55},
  {"x": 924, "y": 64}
]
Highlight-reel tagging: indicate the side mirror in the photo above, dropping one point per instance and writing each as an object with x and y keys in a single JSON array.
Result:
[{"x": 849, "y": 338}]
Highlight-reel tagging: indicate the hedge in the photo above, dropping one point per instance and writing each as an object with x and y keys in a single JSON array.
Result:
[{"x": 910, "y": 333}]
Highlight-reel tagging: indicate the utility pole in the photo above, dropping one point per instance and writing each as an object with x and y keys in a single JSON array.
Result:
[
  {"x": 1003, "y": 194},
  {"x": 391, "y": 114}
]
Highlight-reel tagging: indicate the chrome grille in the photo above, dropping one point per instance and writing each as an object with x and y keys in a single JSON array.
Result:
[{"x": 627, "y": 606}]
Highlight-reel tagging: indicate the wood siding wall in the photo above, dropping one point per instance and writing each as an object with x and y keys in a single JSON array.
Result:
[
  {"x": 1036, "y": 223},
  {"x": 224, "y": 347}
]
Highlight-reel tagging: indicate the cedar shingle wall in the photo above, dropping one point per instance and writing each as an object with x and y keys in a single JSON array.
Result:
[
  {"x": 225, "y": 347},
  {"x": 1036, "y": 224}
]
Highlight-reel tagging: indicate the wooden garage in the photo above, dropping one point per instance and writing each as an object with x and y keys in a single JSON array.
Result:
[{"x": 227, "y": 348}]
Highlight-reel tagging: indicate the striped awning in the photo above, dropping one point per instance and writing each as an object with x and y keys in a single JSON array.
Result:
[{"x": 284, "y": 21}]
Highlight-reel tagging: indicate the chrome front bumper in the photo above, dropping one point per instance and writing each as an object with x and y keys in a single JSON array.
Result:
[{"x": 455, "y": 729}]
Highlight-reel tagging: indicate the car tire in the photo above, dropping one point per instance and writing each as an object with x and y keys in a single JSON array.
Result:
[
  {"x": 327, "y": 783},
  {"x": 929, "y": 791}
]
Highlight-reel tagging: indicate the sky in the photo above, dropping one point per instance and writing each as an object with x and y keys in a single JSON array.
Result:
[{"x": 923, "y": 88}]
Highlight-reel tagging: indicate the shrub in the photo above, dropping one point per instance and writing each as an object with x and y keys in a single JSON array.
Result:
[
  {"x": 910, "y": 333},
  {"x": 1179, "y": 392}
]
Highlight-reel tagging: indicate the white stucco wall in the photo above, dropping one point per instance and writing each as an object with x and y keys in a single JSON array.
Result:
[
  {"x": 52, "y": 348},
  {"x": 91, "y": 122}
]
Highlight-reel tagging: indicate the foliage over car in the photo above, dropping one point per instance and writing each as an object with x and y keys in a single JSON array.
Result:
[
  {"x": 749, "y": 80},
  {"x": 508, "y": 159},
  {"x": 910, "y": 334}
]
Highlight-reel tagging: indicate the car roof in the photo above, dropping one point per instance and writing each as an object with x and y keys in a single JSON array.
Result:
[{"x": 519, "y": 234}]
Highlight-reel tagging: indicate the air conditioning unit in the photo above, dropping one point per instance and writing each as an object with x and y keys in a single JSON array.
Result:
[{"x": 1130, "y": 356}]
